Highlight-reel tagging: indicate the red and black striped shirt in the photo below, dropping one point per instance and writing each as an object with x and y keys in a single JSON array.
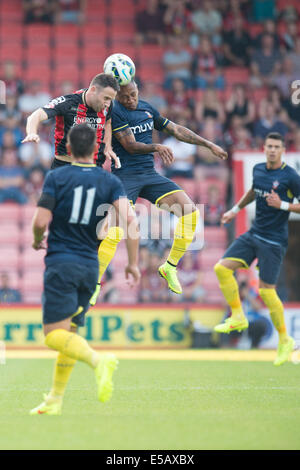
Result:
[{"x": 69, "y": 110}]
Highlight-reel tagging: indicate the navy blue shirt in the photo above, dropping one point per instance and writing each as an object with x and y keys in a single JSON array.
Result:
[
  {"x": 142, "y": 121},
  {"x": 271, "y": 224},
  {"x": 75, "y": 193}
]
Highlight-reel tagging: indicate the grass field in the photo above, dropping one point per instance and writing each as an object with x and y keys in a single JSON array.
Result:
[{"x": 157, "y": 404}]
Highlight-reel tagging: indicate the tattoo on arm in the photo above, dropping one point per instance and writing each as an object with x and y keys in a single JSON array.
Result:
[{"x": 185, "y": 135}]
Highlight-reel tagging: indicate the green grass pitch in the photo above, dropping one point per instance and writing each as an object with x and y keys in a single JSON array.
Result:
[{"x": 157, "y": 404}]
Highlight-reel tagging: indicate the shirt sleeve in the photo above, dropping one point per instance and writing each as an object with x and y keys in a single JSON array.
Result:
[
  {"x": 58, "y": 106},
  {"x": 119, "y": 120},
  {"x": 117, "y": 190},
  {"x": 48, "y": 197},
  {"x": 109, "y": 111},
  {"x": 295, "y": 185}
]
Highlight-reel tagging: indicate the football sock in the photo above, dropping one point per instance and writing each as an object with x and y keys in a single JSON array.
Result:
[
  {"x": 62, "y": 372},
  {"x": 230, "y": 290},
  {"x": 183, "y": 236},
  {"x": 107, "y": 248},
  {"x": 72, "y": 345},
  {"x": 276, "y": 309}
]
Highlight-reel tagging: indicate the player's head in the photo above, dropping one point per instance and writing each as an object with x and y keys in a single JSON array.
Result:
[
  {"x": 102, "y": 90},
  {"x": 128, "y": 95},
  {"x": 274, "y": 147},
  {"x": 82, "y": 142}
]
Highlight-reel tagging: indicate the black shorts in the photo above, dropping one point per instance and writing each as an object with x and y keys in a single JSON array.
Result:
[{"x": 68, "y": 288}]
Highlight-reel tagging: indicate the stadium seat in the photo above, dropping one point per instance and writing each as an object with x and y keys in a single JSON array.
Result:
[
  {"x": 32, "y": 280},
  {"x": 93, "y": 33},
  {"x": 10, "y": 212},
  {"x": 9, "y": 258},
  {"x": 9, "y": 33},
  {"x": 38, "y": 33},
  {"x": 10, "y": 233},
  {"x": 215, "y": 237},
  {"x": 210, "y": 256},
  {"x": 150, "y": 54},
  {"x": 235, "y": 75},
  {"x": 31, "y": 258}
]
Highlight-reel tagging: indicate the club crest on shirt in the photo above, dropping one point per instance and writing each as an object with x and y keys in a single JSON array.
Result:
[
  {"x": 275, "y": 184},
  {"x": 148, "y": 114}
]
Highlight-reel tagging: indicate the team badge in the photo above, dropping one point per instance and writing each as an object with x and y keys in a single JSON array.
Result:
[
  {"x": 275, "y": 184},
  {"x": 148, "y": 114}
]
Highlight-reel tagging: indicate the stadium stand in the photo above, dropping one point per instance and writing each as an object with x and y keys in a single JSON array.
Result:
[{"x": 56, "y": 53}]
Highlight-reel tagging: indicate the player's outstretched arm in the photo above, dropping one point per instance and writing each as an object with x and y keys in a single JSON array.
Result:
[
  {"x": 246, "y": 199},
  {"x": 128, "y": 221},
  {"x": 128, "y": 142},
  {"x": 186, "y": 135},
  {"x": 33, "y": 122}
]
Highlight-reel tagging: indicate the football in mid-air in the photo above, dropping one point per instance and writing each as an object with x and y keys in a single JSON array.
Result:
[{"x": 121, "y": 67}]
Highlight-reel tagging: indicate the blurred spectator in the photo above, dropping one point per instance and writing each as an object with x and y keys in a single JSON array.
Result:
[
  {"x": 70, "y": 11},
  {"x": 177, "y": 62},
  {"x": 231, "y": 10},
  {"x": 209, "y": 106},
  {"x": 295, "y": 141},
  {"x": 289, "y": 13},
  {"x": 206, "y": 20},
  {"x": 34, "y": 97},
  {"x": 269, "y": 27},
  {"x": 34, "y": 184},
  {"x": 207, "y": 165},
  {"x": 7, "y": 294},
  {"x": 184, "y": 155},
  {"x": 10, "y": 135},
  {"x": 11, "y": 111},
  {"x": 290, "y": 35},
  {"x": 32, "y": 154},
  {"x": 263, "y": 10},
  {"x": 214, "y": 207},
  {"x": 240, "y": 105},
  {"x": 153, "y": 287},
  {"x": 237, "y": 44},
  {"x": 144, "y": 256},
  {"x": 190, "y": 278},
  {"x": 149, "y": 23},
  {"x": 207, "y": 66},
  {"x": 109, "y": 290},
  {"x": 294, "y": 55},
  {"x": 39, "y": 11},
  {"x": 12, "y": 178},
  {"x": 152, "y": 95},
  {"x": 179, "y": 101},
  {"x": 240, "y": 136},
  {"x": 268, "y": 122},
  {"x": 265, "y": 62},
  {"x": 286, "y": 77},
  {"x": 177, "y": 18},
  {"x": 14, "y": 85}
]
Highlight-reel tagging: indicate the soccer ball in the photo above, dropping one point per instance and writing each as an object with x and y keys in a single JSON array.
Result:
[{"x": 121, "y": 67}]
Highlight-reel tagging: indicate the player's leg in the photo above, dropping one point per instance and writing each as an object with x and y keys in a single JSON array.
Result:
[
  {"x": 270, "y": 259},
  {"x": 182, "y": 206},
  {"x": 240, "y": 254},
  {"x": 109, "y": 237}
]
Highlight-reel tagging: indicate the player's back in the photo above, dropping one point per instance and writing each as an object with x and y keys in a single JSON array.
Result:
[{"x": 80, "y": 192}]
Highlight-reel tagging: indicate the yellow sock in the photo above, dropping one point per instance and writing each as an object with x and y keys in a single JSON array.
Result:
[
  {"x": 230, "y": 290},
  {"x": 275, "y": 306},
  {"x": 183, "y": 236},
  {"x": 62, "y": 372},
  {"x": 72, "y": 345},
  {"x": 107, "y": 248}
]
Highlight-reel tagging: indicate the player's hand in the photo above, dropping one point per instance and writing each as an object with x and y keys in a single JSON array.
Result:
[
  {"x": 132, "y": 274},
  {"x": 110, "y": 155},
  {"x": 273, "y": 200},
  {"x": 227, "y": 217},
  {"x": 31, "y": 138},
  {"x": 165, "y": 154},
  {"x": 39, "y": 245},
  {"x": 218, "y": 152}
]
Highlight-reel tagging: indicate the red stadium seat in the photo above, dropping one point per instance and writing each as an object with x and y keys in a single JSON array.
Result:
[
  {"x": 9, "y": 258},
  {"x": 38, "y": 33},
  {"x": 10, "y": 234},
  {"x": 27, "y": 213},
  {"x": 126, "y": 49},
  {"x": 68, "y": 72},
  {"x": 150, "y": 54},
  {"x": 32, "y": 280},
  {"x": 235, "y": 75},
  {"x": 10, "y": 212},
  {"x": 11, "y": 33},
  {"x": 209, "y": 257},
  {"x": 31, "y": 259},
  {"x": 93, "y": 33},
  {"x": 215, "y": 237}
]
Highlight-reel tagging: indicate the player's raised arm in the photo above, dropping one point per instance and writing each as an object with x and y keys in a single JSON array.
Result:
[
  {"x": 33, "y": 122},
  {"x": 186, "y": 135},
  {"x": 108, "y": 151},
  {"x": 128, "y": 220},
  {"x": 246, "y": 199},
  {"x": 127, "y": 140}
]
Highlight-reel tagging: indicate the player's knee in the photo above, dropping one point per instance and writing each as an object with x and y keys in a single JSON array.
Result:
[{"x": 221, "y": 271}]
